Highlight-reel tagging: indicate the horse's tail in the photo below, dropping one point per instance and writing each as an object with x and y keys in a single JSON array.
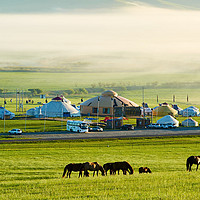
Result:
[
  {"x": 187, "y": 164},
  {"x": 65, "y": 170},
  {"x": 130, "y": 168}
]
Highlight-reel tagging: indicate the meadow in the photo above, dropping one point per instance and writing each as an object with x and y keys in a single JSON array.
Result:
[{"x": 34, "y": 170}]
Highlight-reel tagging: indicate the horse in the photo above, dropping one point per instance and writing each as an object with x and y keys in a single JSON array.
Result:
[
  {"x": 124, "y": 166},
  {"x": 76, "y": 167},
  {"x": 192, "y": 160},
  {"x": 108, "y": 166},
  {"x": 144, "y": 170},
  {"x": 92, "y": 166}
]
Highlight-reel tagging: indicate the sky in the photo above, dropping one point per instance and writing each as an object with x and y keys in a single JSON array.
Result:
[{"x": 153, "y": 36}]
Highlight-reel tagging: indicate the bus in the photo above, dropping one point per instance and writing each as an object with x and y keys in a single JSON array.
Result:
[{"x": 77, "y": 126}]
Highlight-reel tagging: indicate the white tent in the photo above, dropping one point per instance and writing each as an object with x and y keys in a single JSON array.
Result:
[
  {"x": 190, "y": 112},
  {"x": 55, "y": 108},
  {"x": 168, "y": 119},
  {"x": 6, "y": 113},
  {"x": 58, "y": 109},
  {"x": 190, "y": 122}
]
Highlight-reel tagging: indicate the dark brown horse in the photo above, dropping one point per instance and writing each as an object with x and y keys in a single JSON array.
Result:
[
  {"x": 76, "y": 167},
  {"x": 92, "y": 166},
  {"x": 108, "y": 166},
  {"x": 192, "y": 160},
  {"x": 144, "y": 170},
  {"x": 124, "y": 166}
]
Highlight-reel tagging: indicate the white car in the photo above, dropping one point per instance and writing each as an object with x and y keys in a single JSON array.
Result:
[{"x": 15, "y": 132}]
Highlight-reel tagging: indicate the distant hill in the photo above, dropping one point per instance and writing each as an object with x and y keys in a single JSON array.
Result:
[{"x": 51, "y": 6}]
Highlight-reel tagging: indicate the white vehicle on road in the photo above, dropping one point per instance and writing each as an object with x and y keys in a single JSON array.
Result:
[
  {"x": 15, "y": 132},
  {"x": 77, "y": 126}
]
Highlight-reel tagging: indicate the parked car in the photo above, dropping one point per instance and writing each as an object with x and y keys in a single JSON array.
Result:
[
  {"x": 96, "y": 129},
  {"x": 154, "y": 126},
  {"x": 127, "y": 127},
  {"x": 15, "y": 132}
]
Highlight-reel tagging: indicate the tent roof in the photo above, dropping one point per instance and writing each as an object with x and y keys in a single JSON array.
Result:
[
  {"x": 58, "y": 106},
  {"x": 57, "y": 99},
  {"x": 189, "y": 120},
  {"x": 168, "y": 119},
  {"x": 164, "y": 110},
  {"x": 108, "y": 99}
]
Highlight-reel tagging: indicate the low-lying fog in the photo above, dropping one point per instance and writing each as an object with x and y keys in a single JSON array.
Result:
[{"x": 137, "y": 38}]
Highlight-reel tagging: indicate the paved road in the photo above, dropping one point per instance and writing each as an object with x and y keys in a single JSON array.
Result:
[{"x": 49, "y": 136}]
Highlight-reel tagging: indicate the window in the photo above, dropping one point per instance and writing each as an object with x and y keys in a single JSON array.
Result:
[
  {"x": 94, "y": 110},
  {"x": 106, "y": 110}
]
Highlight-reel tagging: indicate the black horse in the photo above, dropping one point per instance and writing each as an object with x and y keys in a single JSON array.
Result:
[
  {"x": 76, "y": 167},
  {"x": 124, "y": 166},
  {"x": 192, "y": 160},
  {"x": 107, "y": 167}
]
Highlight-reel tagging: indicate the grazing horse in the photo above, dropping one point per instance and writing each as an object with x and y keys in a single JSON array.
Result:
[
  {"x": 92, "y": 166},
  {"x": 108, "y": 166},
  {"x": 144, "y": 170},
  {"x": 76, "y": 167},
  {"x": 124, "y": 166},
  {"x": 192, "y": 160}
]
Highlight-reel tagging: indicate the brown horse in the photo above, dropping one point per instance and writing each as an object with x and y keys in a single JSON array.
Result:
[
  {"x": 144, "y": 170},
  {"x": 108, "y": 166},
  {"x": 124, "y": 166},
  {"x": 76, "y": 167},
  {"x": 192, "y": 160},
  {"x": 92, "y": 166}
]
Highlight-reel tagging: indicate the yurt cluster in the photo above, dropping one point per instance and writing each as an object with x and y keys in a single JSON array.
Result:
[{"x": 110, "y": 104}]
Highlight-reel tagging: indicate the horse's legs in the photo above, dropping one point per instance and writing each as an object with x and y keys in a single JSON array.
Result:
[
  {"x": 97, "y": 172},
  {"x": 70, "y": 173},
  {"x": 197, "y": 167},
  {"x": 190, "y": 168},
  {"x": 80, "y": 174},
  {"x": 67, "y": 173},
  {"x": 93, "y": 173}
]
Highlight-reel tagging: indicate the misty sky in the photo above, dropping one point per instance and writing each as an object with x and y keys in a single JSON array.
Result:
[{"x": 151, "y": 36}]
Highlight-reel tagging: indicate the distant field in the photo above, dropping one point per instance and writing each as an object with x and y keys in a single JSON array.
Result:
[
  {"x": 63, "y": 81},
  {"x": 126, "y": 84},
  {"x": 33, "y": 171}
]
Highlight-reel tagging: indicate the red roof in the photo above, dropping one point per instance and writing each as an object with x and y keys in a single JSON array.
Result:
[{"x": 57, "y": 99}]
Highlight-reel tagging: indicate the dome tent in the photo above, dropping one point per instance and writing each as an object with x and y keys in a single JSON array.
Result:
[
  {"x": 164, "y": 110},
  {"x": 55, "y": 108},
  {"x": 6, "y": 113},
  {"x": 106, "y": 103},
  {"x": 168, "y": 119},
  {"x": 190, "y": 122},
  {"x": 58, "y": 109},
  {"x": 190, "y": 112}
]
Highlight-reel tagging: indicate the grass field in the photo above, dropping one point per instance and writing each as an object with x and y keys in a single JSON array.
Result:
[{"x": 33, "y": 171}]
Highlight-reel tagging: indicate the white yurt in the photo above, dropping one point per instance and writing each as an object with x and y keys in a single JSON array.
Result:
[
  {"x": 55, "y": 108},
  {"x": 190, "y": 122},
  {"x": 190, "y": 112},
  {"x": 168, "y": 119},
  {"x": 6, "y": 113}
]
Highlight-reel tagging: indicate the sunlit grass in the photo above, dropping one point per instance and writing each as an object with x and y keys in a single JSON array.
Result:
[{"x": 34, "y": 170}]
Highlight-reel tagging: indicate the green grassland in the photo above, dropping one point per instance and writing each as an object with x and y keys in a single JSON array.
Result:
[{"x": 34, "y": 170}]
